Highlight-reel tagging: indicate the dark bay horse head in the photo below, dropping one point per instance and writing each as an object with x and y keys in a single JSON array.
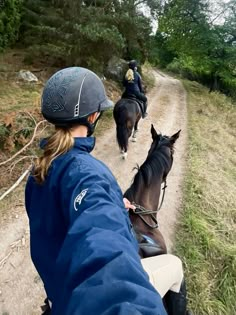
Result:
[
  {"x": 127, "y": 115},
  {"x": 145, "y": 192}
]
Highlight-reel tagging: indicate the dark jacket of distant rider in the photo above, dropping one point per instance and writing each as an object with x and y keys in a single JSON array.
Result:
[
  {"x": 132, "y": 80},
  {"x": 133, "y": 83}
]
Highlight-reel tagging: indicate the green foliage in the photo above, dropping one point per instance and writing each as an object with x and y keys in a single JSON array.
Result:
[
  {"x": 189, "y": 43},
  {"x": 185, "y": 25},
  {"x": 10, "y": 15},
  {"x": 86, "y": 33},
  {"x": 159, "y": 52}
]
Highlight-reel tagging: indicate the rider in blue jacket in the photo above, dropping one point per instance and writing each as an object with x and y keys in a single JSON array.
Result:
[
  {"x": 81, "y": 239},
  {"x": 133, "y": 85},
  {"x": 82, "y": 243}
]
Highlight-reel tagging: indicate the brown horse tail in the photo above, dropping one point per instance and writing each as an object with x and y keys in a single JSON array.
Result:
[
  {"x": 123, "y": 123},
  {"x": 122, "y": 136}
]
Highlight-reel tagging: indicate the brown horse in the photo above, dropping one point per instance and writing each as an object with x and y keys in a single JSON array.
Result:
[
  {"x": 127, "y": 114},
  {"x": 145, "y": 192}
]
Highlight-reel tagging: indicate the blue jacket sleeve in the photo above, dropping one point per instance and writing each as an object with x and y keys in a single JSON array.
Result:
[{"x": 98, "y": 269}]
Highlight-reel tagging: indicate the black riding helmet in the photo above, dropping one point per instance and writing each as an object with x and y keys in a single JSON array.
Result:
[
  {"x": 133, "y": 64},
  {"x": 71, "y": 95}
]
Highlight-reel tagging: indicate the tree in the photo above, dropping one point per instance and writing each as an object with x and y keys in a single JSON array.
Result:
[
  {"x": 202, "y": 49},
  {"x": 87, "y": 32},
  {"x": 10, "y": 15}
]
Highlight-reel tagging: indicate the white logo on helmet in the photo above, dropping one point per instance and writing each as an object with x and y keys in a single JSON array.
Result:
[
  {"x": 79, "y": 198},
  {"x": 76, "y": 110}
]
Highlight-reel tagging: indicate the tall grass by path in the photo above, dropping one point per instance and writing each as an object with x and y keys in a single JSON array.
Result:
[{"x": 206, "y": 238}]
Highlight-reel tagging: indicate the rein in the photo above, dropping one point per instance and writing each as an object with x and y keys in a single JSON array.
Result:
[{"x": 141, "y": 211}]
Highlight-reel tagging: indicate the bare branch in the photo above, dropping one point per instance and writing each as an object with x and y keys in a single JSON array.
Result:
[
  {"x": 27, "y": 145},
  {"x": 25, "y": 128},
  {"x": 13, "y": 245},
  {"x": 3, "y": 261},
  {"x": 16, "y": 183},
  {"x": 32, "y": 117},
  {"x": 137, "y": 3},
  {"x": 217, "y": 16},
  {"x": 12, "y": 166}
]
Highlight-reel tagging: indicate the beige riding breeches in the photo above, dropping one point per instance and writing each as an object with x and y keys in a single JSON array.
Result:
[{"x": 165, "y": 272}]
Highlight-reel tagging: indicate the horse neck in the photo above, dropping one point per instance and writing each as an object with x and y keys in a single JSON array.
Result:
[
  {"x": 145, "y": 195},
  {"x": 146, "y": 187},
  {"x": 148, "y": 196}
]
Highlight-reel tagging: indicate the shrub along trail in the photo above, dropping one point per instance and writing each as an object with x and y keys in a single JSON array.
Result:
[{"x": 21, "y": 290}]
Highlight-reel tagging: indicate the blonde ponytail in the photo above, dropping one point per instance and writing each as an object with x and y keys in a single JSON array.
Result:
[
  {"x": 58, "y": 143},
  {"x": 129, "y": 75}
]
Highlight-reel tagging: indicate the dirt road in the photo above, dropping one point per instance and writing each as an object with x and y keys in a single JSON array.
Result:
[{"x": 21, "y": 290}]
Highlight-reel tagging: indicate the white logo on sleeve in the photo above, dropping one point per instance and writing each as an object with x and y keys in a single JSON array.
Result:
[{"x": 79, "y": 198}]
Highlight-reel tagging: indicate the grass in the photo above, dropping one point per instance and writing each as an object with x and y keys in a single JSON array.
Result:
[
  {"x": 14, "y": 96},
  {"x": 207, "y": 234},
  {"x": 105, "y": 123}
]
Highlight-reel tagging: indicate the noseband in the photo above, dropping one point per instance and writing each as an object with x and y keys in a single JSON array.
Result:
[{"x": 141, "y": 211}]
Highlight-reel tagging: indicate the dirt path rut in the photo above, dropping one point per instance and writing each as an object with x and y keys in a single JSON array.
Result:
[{"x": 21, "y": 290}]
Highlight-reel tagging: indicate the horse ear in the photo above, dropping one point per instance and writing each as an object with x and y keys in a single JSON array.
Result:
[
  {"x": 153, "y": 132},
  {"x": 174, "y": 137}
]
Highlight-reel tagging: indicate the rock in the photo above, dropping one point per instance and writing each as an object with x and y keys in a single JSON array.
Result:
[
  {"x": 116, "y": 69},
  {"x": 27, "y": 76}
]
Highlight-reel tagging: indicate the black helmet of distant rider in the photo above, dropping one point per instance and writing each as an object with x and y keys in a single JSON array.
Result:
[
  {"x": 71, "y": 95},
  {"x": 133, "y": 64}
]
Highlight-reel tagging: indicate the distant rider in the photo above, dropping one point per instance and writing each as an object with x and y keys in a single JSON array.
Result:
[{"x": 133, "y": 85}]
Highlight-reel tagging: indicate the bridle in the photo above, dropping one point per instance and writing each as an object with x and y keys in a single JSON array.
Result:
[{"x": 141, "y": 211}]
